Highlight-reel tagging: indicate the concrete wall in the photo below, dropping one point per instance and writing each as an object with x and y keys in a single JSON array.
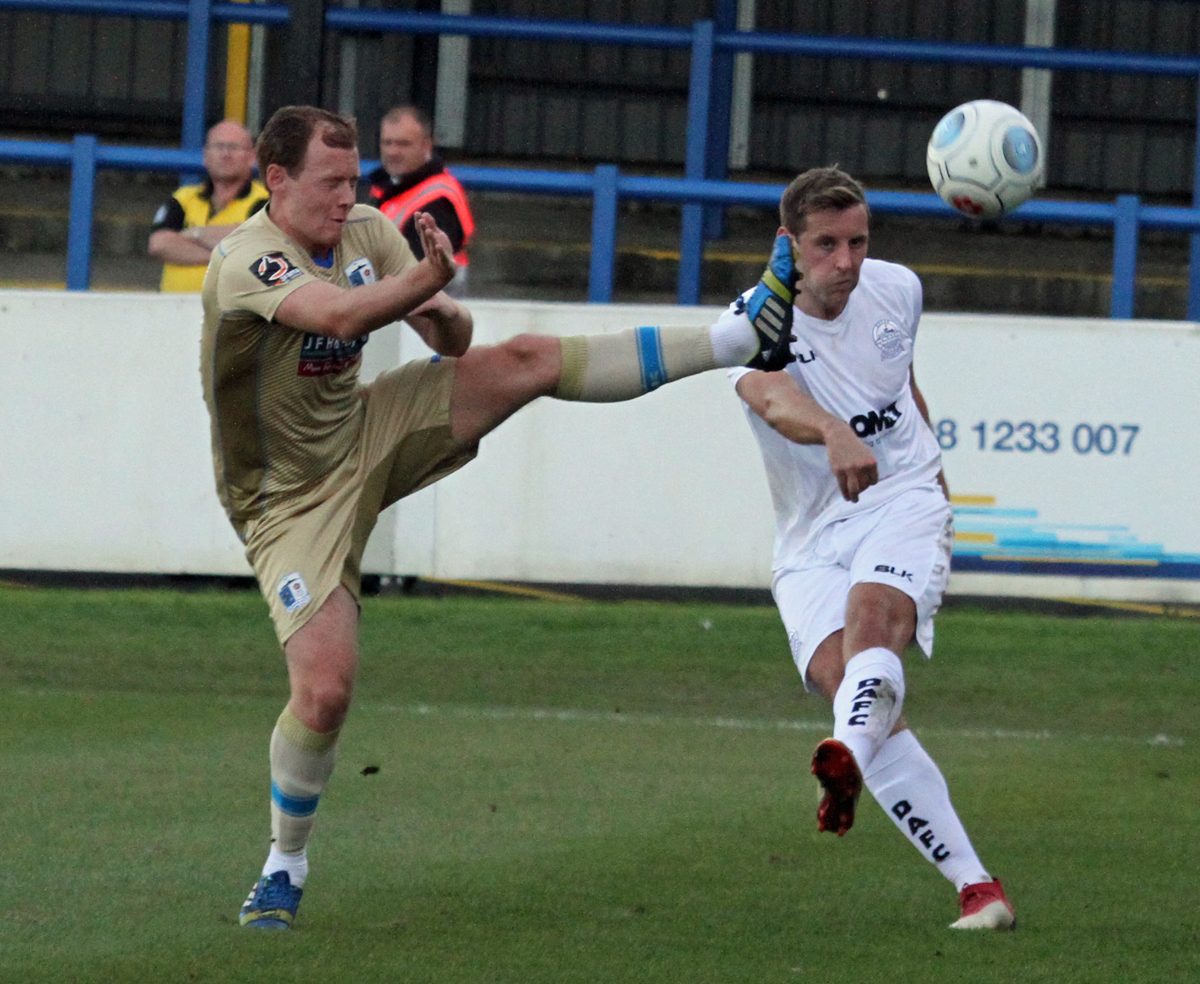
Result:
[{"x": 104, "y": 463}]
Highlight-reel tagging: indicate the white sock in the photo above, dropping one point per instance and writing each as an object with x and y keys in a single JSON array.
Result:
[
  {"x": 734, "y": 340},
  {"x": 907, "y": 783},
  {"x": 867, "y": 705},
  {"x": 296, "y": 865}
]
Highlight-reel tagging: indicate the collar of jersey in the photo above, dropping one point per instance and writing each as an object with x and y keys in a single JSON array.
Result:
[{"x": 833, "y": 327}]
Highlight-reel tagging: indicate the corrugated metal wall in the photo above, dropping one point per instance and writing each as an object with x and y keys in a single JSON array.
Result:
[
  {"x": 112, "y": 76},
  {"x": 873, "y": 117},
  {"x": 582, "y": 102},
  {"x": 1127, "y": 133},
  {"x": 557, "y": 102}
]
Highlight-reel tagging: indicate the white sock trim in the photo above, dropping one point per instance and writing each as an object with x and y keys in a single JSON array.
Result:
[
  {"x": 734, "y": 341},
  {"x": 296, "y": 865}
]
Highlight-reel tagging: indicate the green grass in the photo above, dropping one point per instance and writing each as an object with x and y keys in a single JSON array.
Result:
[{"x": 591, "y": 792}]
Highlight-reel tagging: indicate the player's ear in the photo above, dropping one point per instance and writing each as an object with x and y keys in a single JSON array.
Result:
[{"x": 275, "y": 176}]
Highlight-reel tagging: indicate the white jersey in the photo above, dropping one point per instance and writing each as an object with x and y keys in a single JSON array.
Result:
[{"x": 858, "y": 368}]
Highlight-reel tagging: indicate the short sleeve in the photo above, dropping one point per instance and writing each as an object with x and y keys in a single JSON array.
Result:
[
  {"x": 169, "y": 216},
  {"x": 258, "y": 281}
]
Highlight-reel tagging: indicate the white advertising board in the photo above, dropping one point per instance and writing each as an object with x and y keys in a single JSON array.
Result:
[{"x": 1066, "y": 446}]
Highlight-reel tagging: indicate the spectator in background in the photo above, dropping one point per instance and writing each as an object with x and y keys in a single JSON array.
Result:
[
  {"x": 411, "y": 178},
  {"x": 197, "y": 217}
]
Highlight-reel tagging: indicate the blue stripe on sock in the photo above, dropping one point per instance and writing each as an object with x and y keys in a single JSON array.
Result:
[
  {"x": 654, "y": 373},
  {"x": 294, "y": 806}
]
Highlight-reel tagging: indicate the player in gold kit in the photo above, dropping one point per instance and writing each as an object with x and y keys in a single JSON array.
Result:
[{"x": 306, "y": 456}]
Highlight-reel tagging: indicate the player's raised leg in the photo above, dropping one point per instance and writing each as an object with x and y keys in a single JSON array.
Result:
[{"x": 493, "y": 382}]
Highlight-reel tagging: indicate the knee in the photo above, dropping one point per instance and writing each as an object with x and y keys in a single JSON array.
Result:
[
  {"x": 533, "y": 357},
  {"x": 322, "y": 701},
  {"x": 878, "y": 615},
  {"x": 322, "y": 709}
]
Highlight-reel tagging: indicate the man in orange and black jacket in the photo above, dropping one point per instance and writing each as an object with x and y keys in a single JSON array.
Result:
[{"x": 412, "y": 177}]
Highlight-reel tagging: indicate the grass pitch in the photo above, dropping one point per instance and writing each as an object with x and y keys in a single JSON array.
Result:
[{"x": 617, "y": 792}]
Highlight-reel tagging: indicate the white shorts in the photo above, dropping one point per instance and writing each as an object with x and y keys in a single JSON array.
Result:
[{"x": 904, "y": 543}]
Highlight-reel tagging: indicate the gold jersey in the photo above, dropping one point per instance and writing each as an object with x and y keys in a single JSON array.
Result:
[{"x": 284, "y": 405}]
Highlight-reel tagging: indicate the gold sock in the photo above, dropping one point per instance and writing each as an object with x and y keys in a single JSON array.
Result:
[
  {"x": 301, "y": 764},
  {"x": 605, "y": 368}
]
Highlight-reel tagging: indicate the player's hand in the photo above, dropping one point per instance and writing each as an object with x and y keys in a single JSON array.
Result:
[
  {"x": 436, "y": 245},
  {"x": 853, "y": 464},
  {"x": 770, "y": 308}
]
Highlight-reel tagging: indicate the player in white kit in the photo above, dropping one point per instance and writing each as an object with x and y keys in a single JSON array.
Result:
[{"x": 863, "y": 521}]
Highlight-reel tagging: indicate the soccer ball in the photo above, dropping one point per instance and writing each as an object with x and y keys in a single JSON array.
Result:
[{"x": 985, "y": 158}]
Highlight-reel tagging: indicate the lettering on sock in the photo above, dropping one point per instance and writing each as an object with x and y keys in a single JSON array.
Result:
[
  {"x": 920, "y": 831},
  {"x": 865, "y": 696}
]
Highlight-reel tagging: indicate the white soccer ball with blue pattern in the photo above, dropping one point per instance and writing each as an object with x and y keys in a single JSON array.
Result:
[{"x": 985, "y": 158}]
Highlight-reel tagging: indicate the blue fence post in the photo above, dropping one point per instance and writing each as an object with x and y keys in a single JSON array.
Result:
[
  {"x": 79, "y": 223},
  {"x": 195, "y": 80},
  {"x": 1125, "y": 246},
  {"x": 1193, "y": 304},
  {"x": 691, "y": 238},
  {"x": 604, "y": 235},
  {"x": 717, "y": 155}
]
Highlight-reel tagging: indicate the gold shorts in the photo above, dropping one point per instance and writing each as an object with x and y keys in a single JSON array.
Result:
[{"x": 304, "y": 546}]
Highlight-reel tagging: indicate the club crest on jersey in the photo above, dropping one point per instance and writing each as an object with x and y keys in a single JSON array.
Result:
[
  {"x": 293, "y": 592},
  {"x": 890, "y": 339},
  {"x": 360, "y": 272},
  {"x": 274, "y": 269}
]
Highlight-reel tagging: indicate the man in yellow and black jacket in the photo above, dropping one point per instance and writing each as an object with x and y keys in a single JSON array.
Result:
[{"x": 197, "y": 217}]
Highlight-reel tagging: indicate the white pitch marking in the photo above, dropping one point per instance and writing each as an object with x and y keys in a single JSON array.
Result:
[
  {"x": 568, "y": 714},
  {"x": 471, "y": 712}
]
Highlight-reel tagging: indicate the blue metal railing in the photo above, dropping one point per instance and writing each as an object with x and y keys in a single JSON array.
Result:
[
  {"x": 607, "y": 187},
  {"x": 704, "y": 159}
]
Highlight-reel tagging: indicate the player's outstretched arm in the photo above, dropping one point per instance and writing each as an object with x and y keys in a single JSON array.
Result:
[
  {"x": 443, "y": 324},
  {"x": 346, "y": 314},
  {"x": 793, "y": 414}
]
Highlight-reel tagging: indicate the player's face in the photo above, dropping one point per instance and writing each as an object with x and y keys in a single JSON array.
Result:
[
  {"x": 312, "y": 206},
  {"x": 829, "y": 253},
  {"x": 403, "y": 146}
]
